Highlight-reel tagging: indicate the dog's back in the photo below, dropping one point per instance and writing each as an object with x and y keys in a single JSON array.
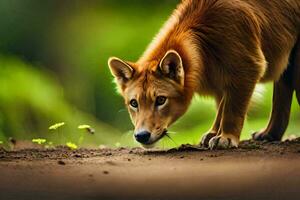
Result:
[
  {"x": 218, "y": 25},
  {"x": 280, "y": 25}
]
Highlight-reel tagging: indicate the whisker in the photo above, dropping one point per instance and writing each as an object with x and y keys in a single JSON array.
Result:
[
  {"x": 172, "y": 132},
  {"x": 122, "y": 110},
  {"x": 168, "y": 136}
]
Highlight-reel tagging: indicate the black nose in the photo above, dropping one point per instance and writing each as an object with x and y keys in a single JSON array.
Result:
[{"x": 142, "y": 137}]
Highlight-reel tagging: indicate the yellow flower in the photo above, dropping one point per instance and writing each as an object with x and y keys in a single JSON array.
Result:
[
  {"x": 56, "y": 126},
  {"x": 84, "y": 126},
  {"x": 87, "y": 127},
  {"x": 39, "y": 141},
  {"x": 71, "y": 145}
]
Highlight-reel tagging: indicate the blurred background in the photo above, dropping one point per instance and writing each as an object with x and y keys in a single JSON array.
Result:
[{"x": 53, "y": 68}]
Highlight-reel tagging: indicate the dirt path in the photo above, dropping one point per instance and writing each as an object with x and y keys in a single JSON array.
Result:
[{"x": 255, "y": 171}]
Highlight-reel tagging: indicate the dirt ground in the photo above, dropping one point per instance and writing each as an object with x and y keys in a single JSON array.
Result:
[{"x": 254, "y": 171}]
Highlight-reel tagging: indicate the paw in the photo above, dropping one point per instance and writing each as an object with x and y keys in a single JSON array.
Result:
[
  {"x": 206, "y": 138},
  {"x": 262, "y": 136},
  {"x": 223, "y": 142}
]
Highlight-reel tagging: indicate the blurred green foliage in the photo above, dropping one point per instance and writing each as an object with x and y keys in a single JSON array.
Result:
[{"x": 53, "y": 68}]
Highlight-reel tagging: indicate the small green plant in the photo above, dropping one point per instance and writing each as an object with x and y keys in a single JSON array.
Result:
[
  {"x": 1, "y": 142},
  {"x": 88, "y": 129},
  {"x": 117, "y": 144},
  {"x": 71, "y": 145},
  {"x": 55, "y": 128},
  {"x": 39, "y": 141},
  {"x": 49, "y": 145}
]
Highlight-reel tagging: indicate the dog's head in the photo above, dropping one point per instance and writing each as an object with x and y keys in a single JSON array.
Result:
[{"x": 153, "y": 93}]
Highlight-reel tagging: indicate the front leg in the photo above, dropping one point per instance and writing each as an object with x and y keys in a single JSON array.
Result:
[
  {"x": 236, "y": 101},
  {"x": 216, "y": 125}
]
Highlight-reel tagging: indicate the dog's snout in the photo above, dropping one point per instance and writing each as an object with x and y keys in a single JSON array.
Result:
[{"x": 142, "y": 137}]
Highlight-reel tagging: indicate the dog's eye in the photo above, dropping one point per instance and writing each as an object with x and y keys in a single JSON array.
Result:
[
  {"x": 134, "y": 103},
  {"x": 160, "y": 100}
]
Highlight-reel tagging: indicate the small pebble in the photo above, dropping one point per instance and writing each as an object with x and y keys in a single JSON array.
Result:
[{"x": 60, "y": 162}]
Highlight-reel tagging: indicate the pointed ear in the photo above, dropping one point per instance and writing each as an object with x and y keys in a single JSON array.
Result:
[
  {"x": 172, "y": 67},
  {"x": 121, "y": 70}
]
